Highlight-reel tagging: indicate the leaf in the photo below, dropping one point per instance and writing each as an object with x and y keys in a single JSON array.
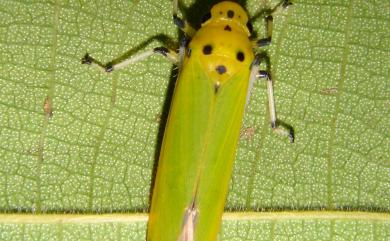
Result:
[
  {"x": 75, "y": 140},
  {"x": 236, "y": 226}
]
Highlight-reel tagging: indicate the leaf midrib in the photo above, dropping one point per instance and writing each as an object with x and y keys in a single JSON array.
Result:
[{"x": 228, "y": 216}]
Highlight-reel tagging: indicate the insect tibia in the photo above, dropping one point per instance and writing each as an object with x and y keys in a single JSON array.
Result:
[{"x": 189, "y": 222}]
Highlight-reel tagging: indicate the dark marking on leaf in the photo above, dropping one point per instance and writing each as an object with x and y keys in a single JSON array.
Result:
[
  {"x": 247, "y": 133},
  {"x": 329, "y": 91},
  {"x": 48, "y": 107}
]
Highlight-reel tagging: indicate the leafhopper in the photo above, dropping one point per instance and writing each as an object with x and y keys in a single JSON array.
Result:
[{"x": 217, "y": 69}]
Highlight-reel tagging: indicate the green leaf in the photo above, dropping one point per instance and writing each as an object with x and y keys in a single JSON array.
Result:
[
  {"x": 236, "y": 226},
  {"x": 75, "y": 140}
]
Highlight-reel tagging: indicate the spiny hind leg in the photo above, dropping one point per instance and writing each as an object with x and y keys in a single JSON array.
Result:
[{"x": 277, "y": 126}]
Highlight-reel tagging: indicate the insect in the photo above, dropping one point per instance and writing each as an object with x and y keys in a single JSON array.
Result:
[{"x": 217, "y": 69}]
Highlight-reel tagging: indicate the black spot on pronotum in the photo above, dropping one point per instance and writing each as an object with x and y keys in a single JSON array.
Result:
[
  {"x": 227, "y": 28},
  {"x": 240, "y": 56},
  {"x": 230, "y": 14},
  {"x": 207, "y": 49},
  {"x": 206, "y": 17},
  {"x": 221, "y": 69}
]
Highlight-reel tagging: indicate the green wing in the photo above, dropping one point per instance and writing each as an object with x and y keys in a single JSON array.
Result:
[{"x": 197, "y": 153}]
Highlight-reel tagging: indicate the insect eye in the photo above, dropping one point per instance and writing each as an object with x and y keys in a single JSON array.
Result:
[
  {"x": 207, "y": 49},
  {"x": 240, "y": 56},
  {"x": 206, "y": 17},
  {"x": 250, "y": 27}
]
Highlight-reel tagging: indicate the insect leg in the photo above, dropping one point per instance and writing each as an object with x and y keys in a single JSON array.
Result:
[
  {"x": 269, "y": 23},
  {"x": 276, "y": 125},
  {"x": 180, "y": 23},
  {"x": 110, "y": 66}
]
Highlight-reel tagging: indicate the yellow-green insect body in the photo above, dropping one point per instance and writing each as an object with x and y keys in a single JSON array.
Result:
[
  {"x": 216, "y": 71},
  {"x": 203, "y": 129}
]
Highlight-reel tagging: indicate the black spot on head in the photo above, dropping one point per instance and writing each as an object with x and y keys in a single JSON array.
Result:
[
  {"x": 230, "y": 14},
  {"x": 221, "y": 69},
  {"x": 220, "y": 12},
  {"x": 228, "y": 28},
  {"x": 206, "y": 17},
  {"x": 207, "y": 49},
  {"x": 240, "y": 56}
]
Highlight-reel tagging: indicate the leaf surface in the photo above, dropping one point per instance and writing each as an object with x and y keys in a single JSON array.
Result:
[{"x": 75, "y": 140}]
